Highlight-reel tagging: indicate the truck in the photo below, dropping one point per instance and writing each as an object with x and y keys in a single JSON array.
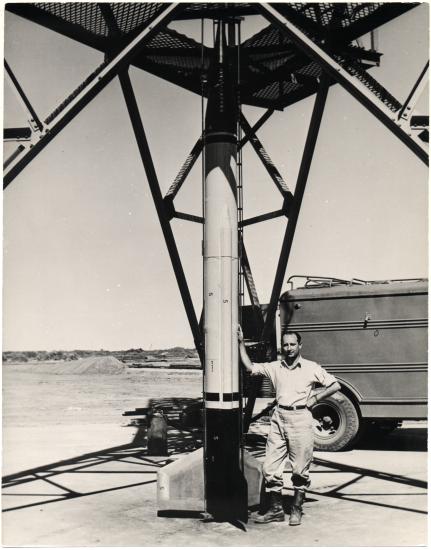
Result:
[{"x": 372, "y": 336}]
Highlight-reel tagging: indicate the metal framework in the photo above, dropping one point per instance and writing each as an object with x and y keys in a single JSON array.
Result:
[{"x": 305, "y": 49}]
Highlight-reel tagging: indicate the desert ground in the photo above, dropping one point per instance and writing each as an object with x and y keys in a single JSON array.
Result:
[{"x": 76, "y": 471}]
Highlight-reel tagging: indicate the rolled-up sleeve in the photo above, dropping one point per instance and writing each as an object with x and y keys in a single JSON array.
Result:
[
  {"x": 261, "y": 369},
  {"x": 323, "y": 377}
]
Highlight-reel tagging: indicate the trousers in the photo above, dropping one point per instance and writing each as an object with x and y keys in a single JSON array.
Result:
[{"x": 291, "y": 436}]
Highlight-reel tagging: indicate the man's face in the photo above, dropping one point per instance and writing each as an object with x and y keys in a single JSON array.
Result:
[{"x": 290, "y": 347}]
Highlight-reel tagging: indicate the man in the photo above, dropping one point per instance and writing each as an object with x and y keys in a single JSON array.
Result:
[{"x": 291, "y": 432}]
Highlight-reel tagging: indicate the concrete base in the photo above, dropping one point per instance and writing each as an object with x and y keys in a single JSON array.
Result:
[{"x": 180, "y": 485}]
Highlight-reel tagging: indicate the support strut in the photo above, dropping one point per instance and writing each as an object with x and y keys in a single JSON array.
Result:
[
  {"x": 147, "y": 161},
  {"x": 358, "y": 90},
  {"x": 83, "y": 98},
  {"x": 301, "y": 182}
]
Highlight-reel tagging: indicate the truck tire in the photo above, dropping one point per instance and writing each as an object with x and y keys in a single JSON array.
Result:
[{"x": 336, "y": 423}]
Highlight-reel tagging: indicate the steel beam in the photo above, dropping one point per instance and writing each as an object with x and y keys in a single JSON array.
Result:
[
  {"x": 118, "y": 63},
  {"x": 249, "y": 281},
  {"x": 407, "y": 109},
  {"x": 14, "y": 155},
  {"x": 304, "y": 169},
  {"x": 17, "y": 134},
  {"x": 109, "y": 17},
  {"x": 187, "y": 217},
  {"x": 185, "y": 170},
  {"x": 153, "y": 183},
  {"x": 358, "y": 90},
  {"x": 263, "y": 217},
  {"x": 254, "y": 382},
  {"x": 266, "y": 160},
  {"x": 256, "y": 128},
  {"x": 33, "y": 119},
  {"x": 111, "y": 23}
]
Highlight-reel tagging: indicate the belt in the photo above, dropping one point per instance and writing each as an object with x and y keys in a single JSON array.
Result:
[{"x": 293, "y": 408}]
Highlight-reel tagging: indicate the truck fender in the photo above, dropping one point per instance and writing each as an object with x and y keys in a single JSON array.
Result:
[{"x": 351, "y": 391}]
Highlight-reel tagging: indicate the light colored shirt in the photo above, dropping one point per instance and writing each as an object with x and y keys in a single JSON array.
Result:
[{"x": 295, "y": 383}]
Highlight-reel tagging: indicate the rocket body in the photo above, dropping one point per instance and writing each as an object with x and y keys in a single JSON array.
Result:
[
  {"x": 221, "y": 278},
  {"x": 226, "y": 491}
]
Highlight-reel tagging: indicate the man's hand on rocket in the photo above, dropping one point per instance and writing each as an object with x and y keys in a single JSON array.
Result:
[{"x": 245, "y": 359}]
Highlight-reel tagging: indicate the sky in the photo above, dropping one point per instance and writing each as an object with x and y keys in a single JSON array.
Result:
[{"x": 85, "y": 265}]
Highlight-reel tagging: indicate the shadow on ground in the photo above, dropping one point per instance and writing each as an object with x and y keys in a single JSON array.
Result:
[
  {"x": 46, "y": 483},
  {"x": 52, "y": 483},
  {"x": 405, "y": 439}
]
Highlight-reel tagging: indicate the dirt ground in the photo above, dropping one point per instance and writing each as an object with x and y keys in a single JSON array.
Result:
[{"x": 76, "y": 472}]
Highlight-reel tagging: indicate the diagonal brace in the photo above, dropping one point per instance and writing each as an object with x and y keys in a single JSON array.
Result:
[
  {"x": 25, "y": 102},
  {"x": 256, "y": 128},
  {"x": 251, "y": 287},
  {"x": 83, "y": 98},
  {"x": 409, "y": 105},
  {"x": 266, "y": 160},
  {"x": 147, "y": 161},
  {"x": 358, "y": 90},
  {"x": 184, "y": 171},
  {"x": 263, "y": 217},
  {"x": 304, "y": 170}
]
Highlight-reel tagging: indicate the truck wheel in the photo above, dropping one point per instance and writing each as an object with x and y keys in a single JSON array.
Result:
[{"x": 336, "y": 423}]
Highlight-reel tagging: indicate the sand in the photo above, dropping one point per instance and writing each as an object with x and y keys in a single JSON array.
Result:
[{"x": 106, "y": 364}]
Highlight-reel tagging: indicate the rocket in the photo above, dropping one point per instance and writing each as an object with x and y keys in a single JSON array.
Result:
[{"x": 225, "y": 485}]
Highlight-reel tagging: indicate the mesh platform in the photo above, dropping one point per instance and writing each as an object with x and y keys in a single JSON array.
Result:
[{"x": 274, "y": 73}]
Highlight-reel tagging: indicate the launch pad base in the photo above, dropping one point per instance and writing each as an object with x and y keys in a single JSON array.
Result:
[{"x": 180, "y": 485}]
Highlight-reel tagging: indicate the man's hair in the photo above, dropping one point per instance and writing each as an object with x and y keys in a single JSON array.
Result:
[{"x": 289, "y": 332}]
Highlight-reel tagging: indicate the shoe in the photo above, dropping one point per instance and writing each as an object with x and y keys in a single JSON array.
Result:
[
  {"x": 275, "y": 512},
  {"x": 296, "y": 510}
]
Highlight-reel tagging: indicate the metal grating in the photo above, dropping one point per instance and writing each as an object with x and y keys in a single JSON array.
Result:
[
  {"x": 173, "y": 50},
  {"x": 359, "y": 11},
  {"x": 267, "y": 37},
  {"x": 276, "y": 90},
  {"x": 135, "y": 15},
  {"x": 169, "y": 38},
  {"x": 85, "y": 15},
  {"x": 312, "y": 69},
  {"x": 336, "y": 16},
  {"x": 201, "y": 8},
  {"x": 274, "y": 72},
  {"x": 177, "y": 62}
]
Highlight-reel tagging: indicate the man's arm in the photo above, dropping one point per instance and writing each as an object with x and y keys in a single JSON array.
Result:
[
  {"x": 245, "y": 359},
  {"x": 326, "y": 392}
]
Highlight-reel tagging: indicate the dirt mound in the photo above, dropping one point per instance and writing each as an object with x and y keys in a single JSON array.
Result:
[{"x": 106, "y": 364}]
